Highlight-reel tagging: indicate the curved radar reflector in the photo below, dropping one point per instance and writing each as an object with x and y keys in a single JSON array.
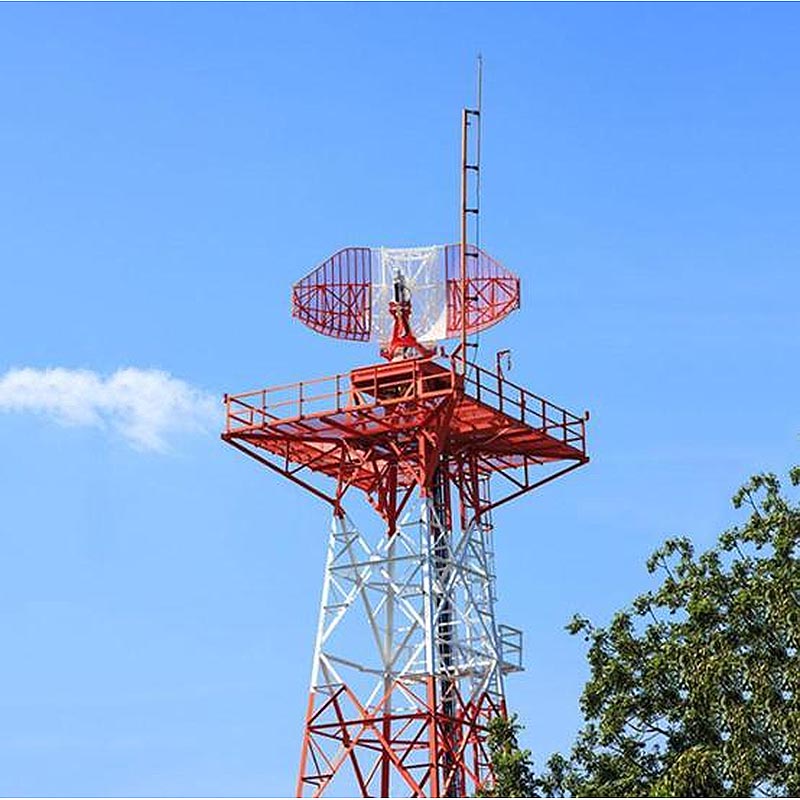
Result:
[{"x": 348, "y": 295}]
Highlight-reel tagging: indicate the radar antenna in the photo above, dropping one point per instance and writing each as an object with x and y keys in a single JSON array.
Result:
[{"x": 409, "y": 663}]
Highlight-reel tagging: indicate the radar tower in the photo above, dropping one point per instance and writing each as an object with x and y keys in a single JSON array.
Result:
[{"x": 409, "y": 662}]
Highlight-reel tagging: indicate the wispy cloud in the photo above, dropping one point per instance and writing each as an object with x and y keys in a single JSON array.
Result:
[{"x": 145, "y": 406}]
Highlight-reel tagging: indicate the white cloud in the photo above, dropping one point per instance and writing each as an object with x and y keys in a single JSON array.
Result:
[{"x": 145, "y": 406}]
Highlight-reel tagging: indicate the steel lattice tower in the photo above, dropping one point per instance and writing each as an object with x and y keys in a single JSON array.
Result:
[{"x": 409, "y": 661}]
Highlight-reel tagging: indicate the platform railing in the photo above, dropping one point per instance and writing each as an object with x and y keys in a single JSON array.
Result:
[
  {"x": 510, "y": 648},
  {"x": 508, "y": 398},
  {"x": 368, "y": 387},
  {"x": 295, "y": 400},
  {"x": 336, "y": 393}
]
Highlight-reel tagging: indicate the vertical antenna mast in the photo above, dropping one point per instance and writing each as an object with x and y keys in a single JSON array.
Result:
[{"x": 470, "y": 197}]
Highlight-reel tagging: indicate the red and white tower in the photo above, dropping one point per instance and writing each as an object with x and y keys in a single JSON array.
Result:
[{"x": 409, "y": 661}]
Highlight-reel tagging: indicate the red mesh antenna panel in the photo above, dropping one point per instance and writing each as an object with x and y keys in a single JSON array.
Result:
[
  {"x": 492, "y": 290},
  {"x": 335, "y": 299},
  {"x": 347, "y": 296}
]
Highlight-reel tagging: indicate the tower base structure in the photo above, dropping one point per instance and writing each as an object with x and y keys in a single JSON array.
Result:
[
  {"x": 408, "y": 713},
  {"x": 409, "y": 662}
]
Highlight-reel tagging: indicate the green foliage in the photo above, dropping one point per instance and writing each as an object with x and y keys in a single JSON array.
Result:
[
  {"x": 695, "y": 690},
  {"x": 512, "y": 767}
]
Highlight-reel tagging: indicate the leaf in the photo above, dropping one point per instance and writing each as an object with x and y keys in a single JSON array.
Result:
[{"x": 694, "y": 690}]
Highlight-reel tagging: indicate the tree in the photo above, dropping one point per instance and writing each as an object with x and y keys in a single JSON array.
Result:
[
  {"x": 695, "y": 690},
  {"x": 511, "y": 766}
]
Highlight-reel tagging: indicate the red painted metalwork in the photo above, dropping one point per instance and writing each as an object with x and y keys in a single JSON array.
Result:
[
  {"x": 420, "y": 742},
  {"x": 492, "y": 291},
  {"x": 355, "y": 426},
  {"x": 403, "y": 342},
  {"x": 385, "y": 430},
  {"x": 335, "y": 299}
]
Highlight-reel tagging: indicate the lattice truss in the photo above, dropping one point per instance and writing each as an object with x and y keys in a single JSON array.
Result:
[
  {"x": 409, "y": 661},
  {"x": 407, "y": 712},
  {"x": 347, "y": 296}
]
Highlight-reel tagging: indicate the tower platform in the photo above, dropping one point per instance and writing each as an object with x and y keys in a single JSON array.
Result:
[{"x": 354, "y": 426}]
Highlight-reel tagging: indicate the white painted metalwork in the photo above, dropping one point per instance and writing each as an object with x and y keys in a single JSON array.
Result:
[{"x": 424, "y": 597}]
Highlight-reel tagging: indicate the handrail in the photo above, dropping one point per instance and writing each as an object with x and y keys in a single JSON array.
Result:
[
  {"x": 340, "y": 394},
  {"x": 502, "y": 380},
  {"x": 513, "y": 400}
]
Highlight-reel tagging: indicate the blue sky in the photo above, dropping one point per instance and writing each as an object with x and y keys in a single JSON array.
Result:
[{"x": 166, "y": 173}]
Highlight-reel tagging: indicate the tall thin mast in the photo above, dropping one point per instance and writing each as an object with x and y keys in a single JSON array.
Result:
[{"x": 470, "y": 197}]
